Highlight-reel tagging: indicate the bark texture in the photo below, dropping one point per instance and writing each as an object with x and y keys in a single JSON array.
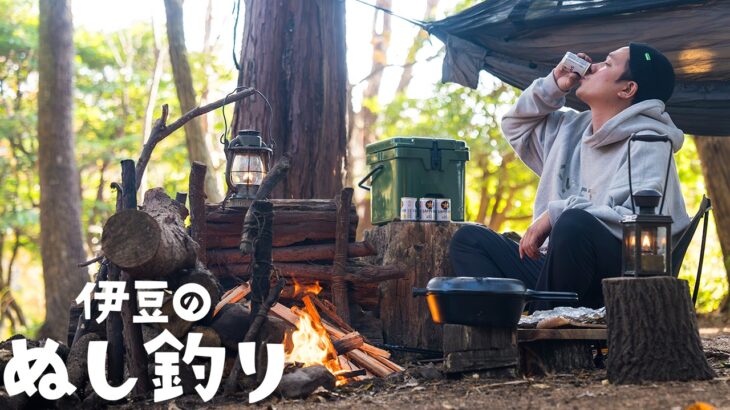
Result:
[
  {"x": 293, "y": 51},
  {"x": 713, "y": 152},
  {"x": 194, "y": 135},
  {"x": 422, "y": 250},
  {"x": 60, "y": 205},
  {"x": 652, "y": 331}
]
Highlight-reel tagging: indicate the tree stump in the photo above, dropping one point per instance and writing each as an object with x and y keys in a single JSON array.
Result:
[
  {"x": 652, "y": 331},
  {"x": 422, "y": 249},
  {"x": 151, "y": 243}
]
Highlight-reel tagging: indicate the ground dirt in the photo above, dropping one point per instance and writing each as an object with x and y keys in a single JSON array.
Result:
[{"x": 419, "y": 389}]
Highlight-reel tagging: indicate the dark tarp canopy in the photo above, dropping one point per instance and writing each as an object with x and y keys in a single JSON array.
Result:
[{"x": 520, "y": 40}]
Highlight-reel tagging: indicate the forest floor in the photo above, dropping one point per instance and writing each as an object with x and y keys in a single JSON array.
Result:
[{"x": 420, "y": 389}]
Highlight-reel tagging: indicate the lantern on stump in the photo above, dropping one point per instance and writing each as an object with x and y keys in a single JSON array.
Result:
[
  {"x": 647, "y": 238},
  {"x": 247, "y": 162},
  {"x": 647, "y": 235}
]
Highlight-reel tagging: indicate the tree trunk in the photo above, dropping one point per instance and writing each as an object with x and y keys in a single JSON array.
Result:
[
  {"x": 197, "y": 149},
  {"x": 293, "y": 51},
  {"x": 62, "y": 246},
  {"x": 713, "y": 152},
  {"x": 652, "y": 331}
]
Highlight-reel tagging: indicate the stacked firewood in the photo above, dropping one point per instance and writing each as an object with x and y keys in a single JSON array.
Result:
[{"x": 303, "y": 249}]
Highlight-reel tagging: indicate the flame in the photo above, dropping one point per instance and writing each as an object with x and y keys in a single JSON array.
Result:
[
  {"x": 310, "y": 343},
  {"x": 645, "y": 243},
  {"x": 300, "y": 290}
]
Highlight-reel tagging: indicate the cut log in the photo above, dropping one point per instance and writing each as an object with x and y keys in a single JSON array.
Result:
[
  {"x": 468, "y": 348},
  {"x": 350, "y": 341},
  {"x": 301, "y": 253},
  {"x": 545, "y": 357},
  {"x": 652, "y": 331},
  {"x": 151, "y": 243},
  {"x": 225, "y": 236},
  {"x": 355, "y": 272},
  {"x": 422, "y": 248}
]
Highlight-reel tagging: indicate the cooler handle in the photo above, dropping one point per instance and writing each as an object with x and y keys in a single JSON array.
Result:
[{"x": 375, "y": 170}]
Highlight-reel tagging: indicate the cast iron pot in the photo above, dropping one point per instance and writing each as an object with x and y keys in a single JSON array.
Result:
[{"x": 489, "y": 302}]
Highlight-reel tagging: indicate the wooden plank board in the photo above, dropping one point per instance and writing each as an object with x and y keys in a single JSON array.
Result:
[{"x": 529, "y": 335}]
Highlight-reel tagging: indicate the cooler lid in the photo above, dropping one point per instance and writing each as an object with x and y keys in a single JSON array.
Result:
[{"x": 416, "y": 142}]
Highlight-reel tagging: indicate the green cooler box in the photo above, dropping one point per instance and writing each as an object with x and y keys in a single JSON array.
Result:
[{"x": 414, "y": 167}]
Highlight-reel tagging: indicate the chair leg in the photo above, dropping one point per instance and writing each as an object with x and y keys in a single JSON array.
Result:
[{"x": 702, "y": 256}]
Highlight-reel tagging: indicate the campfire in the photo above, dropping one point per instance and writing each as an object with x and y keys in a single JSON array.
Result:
[{"x": 329, "y": 342}]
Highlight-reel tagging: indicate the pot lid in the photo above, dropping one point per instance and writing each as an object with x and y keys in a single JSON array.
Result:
[{"x": 474, "y": 284}]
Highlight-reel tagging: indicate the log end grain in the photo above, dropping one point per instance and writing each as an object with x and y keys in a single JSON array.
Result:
[{"x": 130, "y": 226}]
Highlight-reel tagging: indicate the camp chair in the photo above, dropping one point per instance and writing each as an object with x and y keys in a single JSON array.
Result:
[{"x": 680, "y": 248}]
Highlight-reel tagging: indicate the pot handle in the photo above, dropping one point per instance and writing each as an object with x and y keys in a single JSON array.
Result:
[
  {"x": 419, "y": 292},
  {"x": 551, "y": 296}
]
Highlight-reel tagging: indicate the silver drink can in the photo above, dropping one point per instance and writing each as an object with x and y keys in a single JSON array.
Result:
[
  {"x": 443, "y": 209},
  {"x": 572, "y": 63},
  {"x": 408, "y": 209},
  {"x": 427, "y": 207}
]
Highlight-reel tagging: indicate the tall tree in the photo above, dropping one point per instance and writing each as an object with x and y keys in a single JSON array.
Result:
[
  {"x": 194, "y": 135},
  {"x": 293, "y": 51},
  {"x": 62, "y": 246},
  {"x": 713, "y": 152}
]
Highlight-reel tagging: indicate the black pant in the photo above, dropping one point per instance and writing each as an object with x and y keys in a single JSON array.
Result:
[{"x": 581, "y": 252}]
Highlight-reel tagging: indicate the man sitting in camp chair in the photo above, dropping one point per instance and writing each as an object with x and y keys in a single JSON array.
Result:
[{"x": 581, "y": 159}]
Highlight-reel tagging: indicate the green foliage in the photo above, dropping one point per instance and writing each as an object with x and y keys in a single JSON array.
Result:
[{"x": 112, "y": 90}]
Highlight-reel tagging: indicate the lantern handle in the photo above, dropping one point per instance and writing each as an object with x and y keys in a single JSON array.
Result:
[
  {"x": 224, "y": 136},
  {"x": 650, "y": 138}
]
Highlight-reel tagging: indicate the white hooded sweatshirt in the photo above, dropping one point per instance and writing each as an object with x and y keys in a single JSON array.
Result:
[{"x": 588, "y": 170}]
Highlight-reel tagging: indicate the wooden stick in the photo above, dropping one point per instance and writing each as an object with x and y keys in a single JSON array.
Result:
[
  {"x": 136, "y": 355},
  {"x": 370, "y": 349},
  {"x": 161, "y": 130},
  {"x": 90, "y": 261},
  {"x": 196, "y": 187},
  {"x": 181, "y": 197},
  {"x": 350, "y": 341},
  {"x": 252, "y": 334},
  {"x": 233, "y": 296},
  {"x": 276, "y": 174},
  {"x": 332, "y": 315},
  {"x": 339, "y": 287},
  {"x": 249, "y": 233}
]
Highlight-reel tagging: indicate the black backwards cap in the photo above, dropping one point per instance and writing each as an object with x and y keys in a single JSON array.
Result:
[{"x": 652, "y": 71}]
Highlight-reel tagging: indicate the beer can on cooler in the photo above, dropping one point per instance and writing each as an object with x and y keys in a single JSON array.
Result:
[
  {"x": 443, "y": 209},
  {"x": 408, "y": 209},
  {"x": 427, "y": 208}
]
